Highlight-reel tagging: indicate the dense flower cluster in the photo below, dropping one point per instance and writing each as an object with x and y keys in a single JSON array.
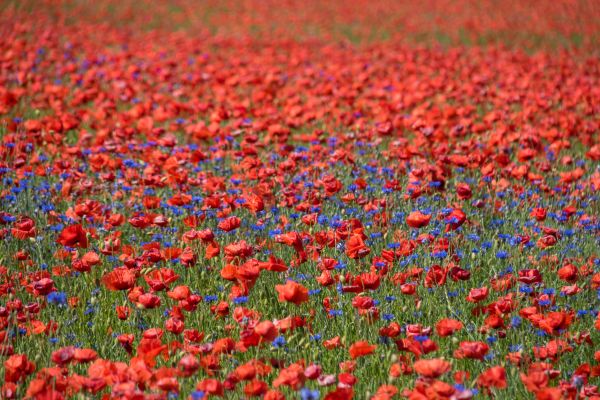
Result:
[{"x": 212, "y": 215}]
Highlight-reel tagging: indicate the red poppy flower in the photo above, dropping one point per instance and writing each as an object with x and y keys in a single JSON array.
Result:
[
  {"x": 474, "y": 350},
  {"x": 17, "y": 367},
  {"x": 417, "y": 219},
  {"x": 335, "y": 342},
  {"x": 120, "y": 278},
  {"x": 292, "y": 292},
  {"x": 494, "y": 377},
  {"x": 356, "y": 247},
  {"x": 530, "y": 276},
  {"x": 292, "y": 376},
  {"x": 568, "y": 273},
  {"x": 361, "y": 349},
  {"x": 266, "y": 330},
  {"x": 433, "y": 368},
  {"x": 24, "y": 228},
  {"x": 73, "y": 236},
  {"x": 229, "y": 224},
  {"x": 477, "y": 294},
  {"x": 455, "y": 219},
  {"x": 447, "y": 327}
]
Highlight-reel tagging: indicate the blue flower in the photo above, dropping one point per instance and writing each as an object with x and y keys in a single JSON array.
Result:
[
  {"x": 279, "y": 342},
  {"x": 502, "y": 254},
  {"x": 197, "y": 395},
  {"x": 515, "y": 321},
  {"x": 388, "y": 317},
  {"x": 240, "y": 300},
  {"x": 210, "y": 298},
  {"x": 440, "y": 254},
  {"x": 525, "y": 289},
  {"x": 58, "y": 298},
  {"x": 307, "y": 394}
]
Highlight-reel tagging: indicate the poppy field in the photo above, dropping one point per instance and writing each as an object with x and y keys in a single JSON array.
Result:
[{"x": 300, "y": 200}]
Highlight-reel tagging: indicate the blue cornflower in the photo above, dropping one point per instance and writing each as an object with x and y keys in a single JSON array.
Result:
[
  {"x": 307, "y": 394},
  {"x": 58, "y": 298},
  {"x": 501, "y": 254},
  {"x": 279, "y": 342},
  {"x": 516, "y": 321},
  {"x": 240, "y": 300},
  {"x": 525, "y": 289},
  {"x": 197, "y": 395}
]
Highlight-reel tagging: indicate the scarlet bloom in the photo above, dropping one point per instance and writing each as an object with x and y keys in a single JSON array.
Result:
[
  {"x": 148, "y": 300},
  {"x": 17, "y": 367},
  {"x": 455, "y": 219},
  {"x": 256, "y": 388},
  {"x": 538, "y": 213},
  {"x": 463, "y": 191},
  {"x": 530, "y": 276},
  {"x": 274, "y": 264},
  {"x": 43, "y": 286},
  {"x": 85, "y": 355},
  {"x": 266, "y": 330},
  {"x": 179, "y": 292},
  {"x": 361, "y": 348},
  {"x": 477, "y": 294},
  {"x": 568, "y": 273},
  {"x": 292, "y": 376},
  {"x": 432, "y": 368},
  {"x": 73, "y": 236},
  {"x": 417, "y": 219},
  {"x": 356, "y": 247},
  {"x": 229, "y": 224},
  {"x": 160, "y": 279},
  {"x": 63, "y": 356},
  {"x": 447, "y": 327},
  {"x": 292, "y": 292},
  {"x": 494, "y": 377},
  {"x": 436, "y": 276},
  {"x": 121, "y": 278},
  {"x": 546, "y": 241},
  {"x": 245, "y": 372},
  {"x": 473, "y": 350},
  {"x": 123, "y": 312},
  {"x": 24, "y": 228},
  {"x": 211, "y": 386},
  {"x": 188, "y": 365},
  {"x": 335, "y": 342},
  {"x": 556, "y": 321}
]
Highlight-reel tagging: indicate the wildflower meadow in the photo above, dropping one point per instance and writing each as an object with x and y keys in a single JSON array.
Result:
[{"x": 299, "y": 199}]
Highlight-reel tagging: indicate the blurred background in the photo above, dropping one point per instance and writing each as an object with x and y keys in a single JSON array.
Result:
[{"x": 526, "y": 24}]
